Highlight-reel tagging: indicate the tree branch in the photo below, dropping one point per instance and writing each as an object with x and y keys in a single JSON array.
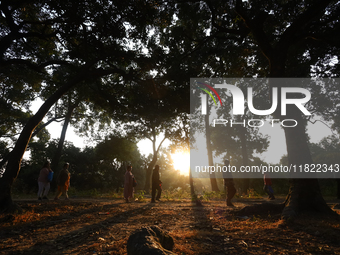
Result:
[
  {"x": 36, "y": 67},
  {"x": 256, "y": 28},
  {"x": 221, "y": 28},
  {"x": 56, "y": 119},
  {"x": 295, "y": 31},
  {"x": 313, "y": 122}
]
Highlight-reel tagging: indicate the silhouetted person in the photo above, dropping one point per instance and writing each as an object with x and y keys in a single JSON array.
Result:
[
  {"x": 229, "y": 184},
  {"x": 128, "y": 184},
  {"x": 43, "y": 181},
  {"x": 156, "y": 185},
  {"x": 63, "y": 182},
  {"x": 268, "y": 187}
]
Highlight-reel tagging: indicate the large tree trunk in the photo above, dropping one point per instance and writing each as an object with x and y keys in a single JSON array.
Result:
[
  {"x": 245, "y": 158},
  {"x": 213, "y": 180},
  {"x": 191, "y": 182},
  {"x": 304, "y": 194},
  {"x": 14, "y": 161},
  {"x": 148, "y": 172},
  {"x": 57, "y": 155}
]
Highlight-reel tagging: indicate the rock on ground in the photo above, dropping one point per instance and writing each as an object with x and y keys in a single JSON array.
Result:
[{"x": 150, "y": 240}]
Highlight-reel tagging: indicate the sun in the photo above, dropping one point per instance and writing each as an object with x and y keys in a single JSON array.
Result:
[{"x": 181, "y": 162}]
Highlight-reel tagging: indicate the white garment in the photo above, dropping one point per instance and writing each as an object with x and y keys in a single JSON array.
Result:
[{"x": 42, "y": 186}]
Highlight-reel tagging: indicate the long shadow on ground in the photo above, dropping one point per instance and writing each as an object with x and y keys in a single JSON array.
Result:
[{"x": 81, "y": 236}]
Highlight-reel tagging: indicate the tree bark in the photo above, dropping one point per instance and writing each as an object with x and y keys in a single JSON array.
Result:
[
  {"x": 245, "y": 158},
  {"x": 13, "y": 166},
  {"x": 191, "y": 182},
  {"x": 213, "y": 181},
  {"x": 304, "y": 194},
  {"x": 338, "y": 188},
  {"x": 148, "y": 172},
  {"x": 57, "y": 155}
]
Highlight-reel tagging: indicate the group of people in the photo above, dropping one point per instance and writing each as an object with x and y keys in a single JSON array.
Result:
[
  {"x": 157, "y": 185},
  {"x": 130, "y": 182},
  {"x": 63, "y": 182},
  {"x": 45, "y": 178}
]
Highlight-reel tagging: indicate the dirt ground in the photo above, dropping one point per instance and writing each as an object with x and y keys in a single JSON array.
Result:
[{"x": 102, "y": 226}]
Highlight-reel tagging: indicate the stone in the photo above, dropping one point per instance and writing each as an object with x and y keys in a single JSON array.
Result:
[{"x": 150, "y": 240}]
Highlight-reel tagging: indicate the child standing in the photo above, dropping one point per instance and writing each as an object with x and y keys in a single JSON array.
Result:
[{"x": 268, "y": 187}]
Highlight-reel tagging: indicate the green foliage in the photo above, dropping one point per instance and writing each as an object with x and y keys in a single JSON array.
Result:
[
  {"x": 175, "y": 194},
  {"x": 45, "y": 44},
  {"x": 251, "y": 193},
  {"x": 139, "y": 196},
  {"x": 210, "y": 195},
  {"x": 94, "y": 169}
]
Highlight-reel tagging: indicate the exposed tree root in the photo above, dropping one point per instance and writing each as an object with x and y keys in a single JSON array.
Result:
[
  {"x": 12, "y": 208},
  {"x": 290, "y": 214},
  {"x": 260, "y": 209}
]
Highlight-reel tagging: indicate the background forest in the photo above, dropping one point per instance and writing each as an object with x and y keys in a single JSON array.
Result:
[{"x": 119, "y": 72}]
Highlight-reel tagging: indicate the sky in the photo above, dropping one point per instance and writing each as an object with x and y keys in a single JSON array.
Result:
[
  {"x": 230, "y": 91},
  {"x": 276, "y": 149},
  {"x": 145, "y": 146}
]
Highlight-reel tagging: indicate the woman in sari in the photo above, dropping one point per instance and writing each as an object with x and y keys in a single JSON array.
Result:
[{"x": 128, "y": 184}]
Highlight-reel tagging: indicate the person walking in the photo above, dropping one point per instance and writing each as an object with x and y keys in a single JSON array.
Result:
[
  {"x": 128, "y": 184},
  {"x": 63, "y": 182},
  {"x": 229, "y": 184},
  {"x": 268, "y": 187},
  {"x": 43, "y": 181},
  {"x": 156, "y": 185}
]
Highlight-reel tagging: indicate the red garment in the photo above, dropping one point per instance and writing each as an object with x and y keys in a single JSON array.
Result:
[{"x": 267, "y": 180}]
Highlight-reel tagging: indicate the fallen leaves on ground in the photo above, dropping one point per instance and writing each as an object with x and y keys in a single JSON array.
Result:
[{"x": 94, "y": 226}]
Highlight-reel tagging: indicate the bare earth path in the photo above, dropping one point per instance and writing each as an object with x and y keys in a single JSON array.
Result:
[{"x": 102, "y": 226}]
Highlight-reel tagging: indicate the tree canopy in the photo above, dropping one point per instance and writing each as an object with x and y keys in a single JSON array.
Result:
[{"x": 130, "y": 61}]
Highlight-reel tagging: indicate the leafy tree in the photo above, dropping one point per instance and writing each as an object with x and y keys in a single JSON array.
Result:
[
  {"x": 172, "y": 179},
  {"x": 26, "y": 45},
  {"x": 90, "y": 37},
  {"x": 70, "y": 109},
  {"x": 180, "y": 141},
  {"x": 101, "y": 167},
  {"x": 240, "y": 142},
  {"x": 281, "y": 39},
  {"x": 207, "y": 132},
  {"x": 150, "y": 126},
  {"x": 116, "y": 153}
]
